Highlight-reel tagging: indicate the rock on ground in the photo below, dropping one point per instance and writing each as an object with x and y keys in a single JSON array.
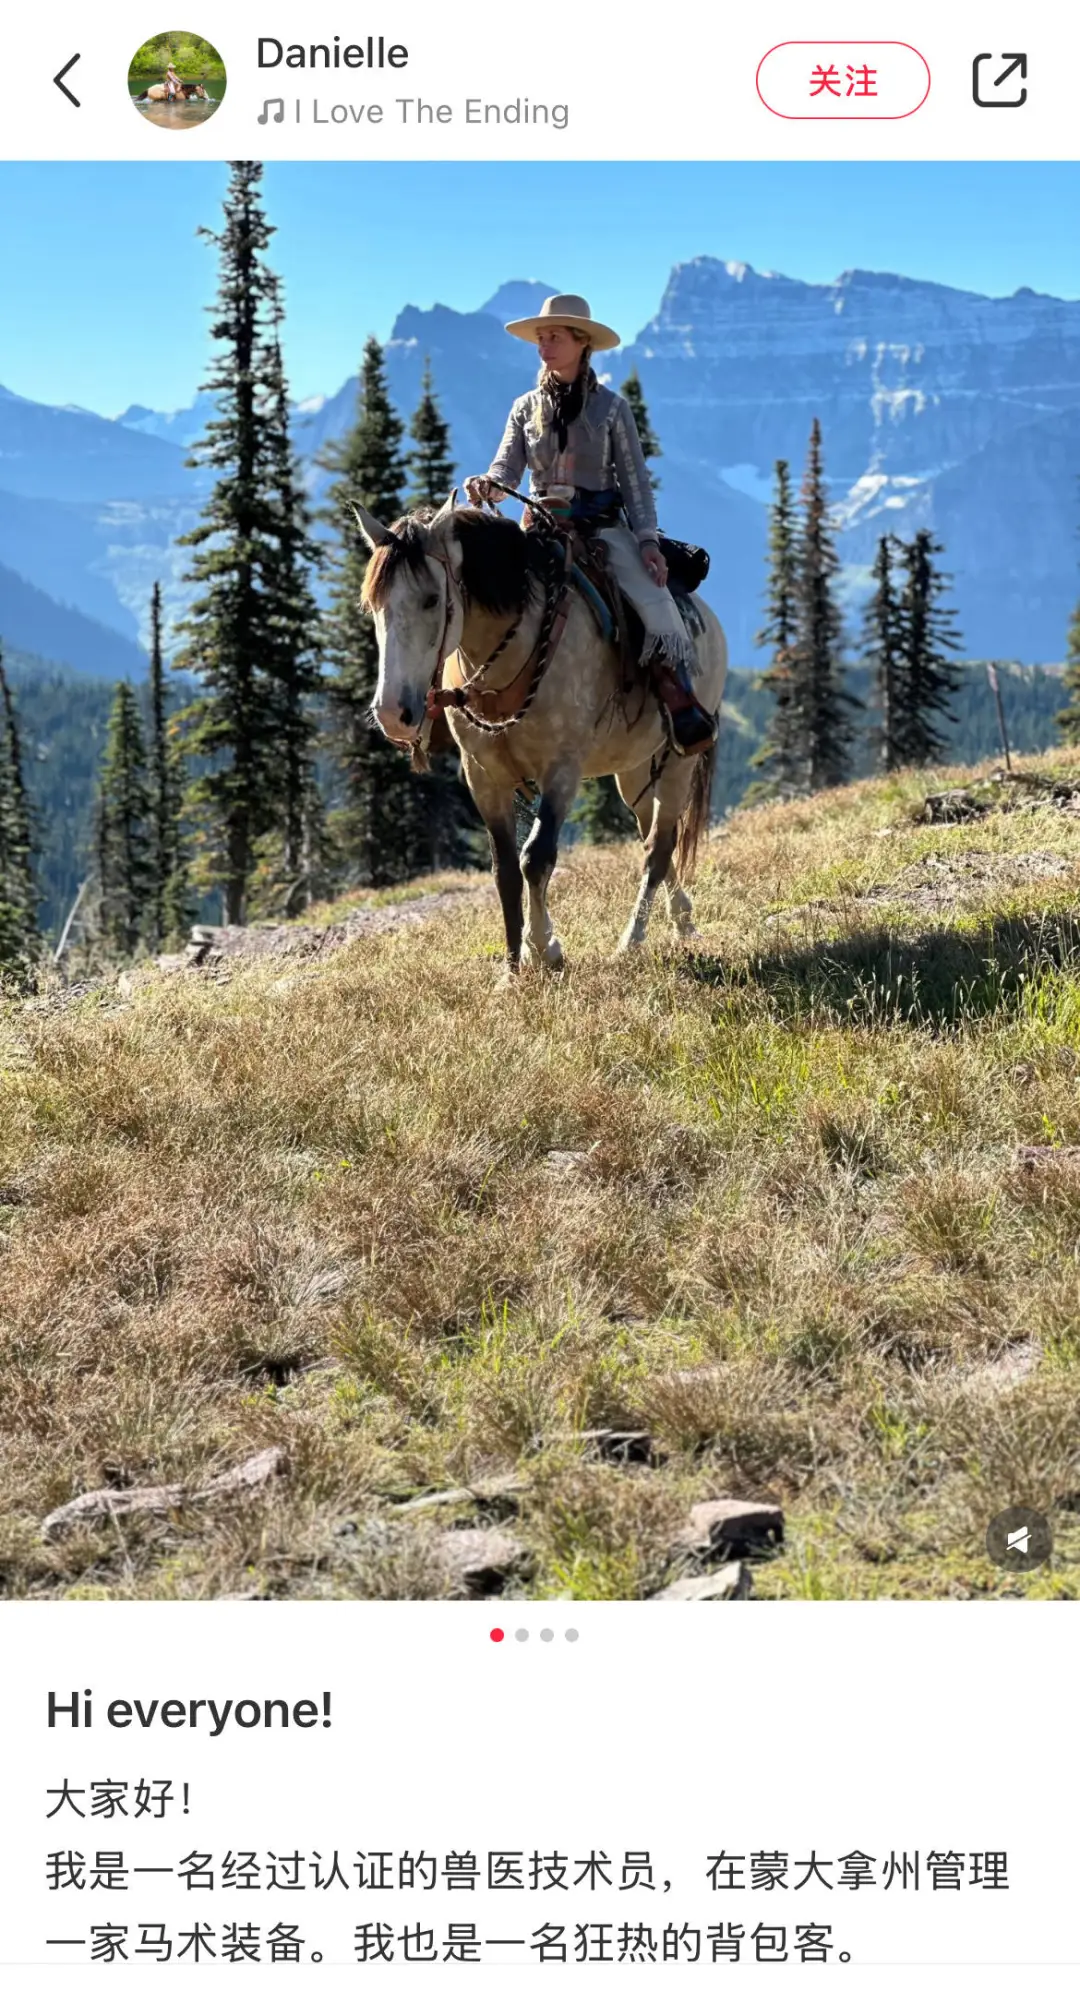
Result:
[
  {"x": 479, "y": 1561},
  {"x": 723, "y": 1586},
  {"x": 725, "y": 1529}
]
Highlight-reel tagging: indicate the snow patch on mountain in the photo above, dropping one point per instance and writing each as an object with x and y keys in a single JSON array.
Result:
[
  {"x": 182, "y": 426},
  {"x": 747, "y": 478}
]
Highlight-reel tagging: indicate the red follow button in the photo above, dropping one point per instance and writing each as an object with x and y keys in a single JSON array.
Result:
[{"x": 843, "y": 79}]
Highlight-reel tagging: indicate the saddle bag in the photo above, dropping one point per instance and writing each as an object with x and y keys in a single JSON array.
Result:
[{"x": 687, "y": 565}]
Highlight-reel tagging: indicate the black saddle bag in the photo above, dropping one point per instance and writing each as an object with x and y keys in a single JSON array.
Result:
[{"x": 687, "y": 565}]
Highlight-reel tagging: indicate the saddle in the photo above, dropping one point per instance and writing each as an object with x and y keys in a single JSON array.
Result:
[
  {"x": 616, "y": 618},
  {"x": 612, "y": 613}
]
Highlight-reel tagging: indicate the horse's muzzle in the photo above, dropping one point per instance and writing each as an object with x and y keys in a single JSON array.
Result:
[{"x": 400, "y": 724}]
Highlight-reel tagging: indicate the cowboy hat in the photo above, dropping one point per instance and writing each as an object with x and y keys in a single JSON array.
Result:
[{"x": 567, "y": 310}]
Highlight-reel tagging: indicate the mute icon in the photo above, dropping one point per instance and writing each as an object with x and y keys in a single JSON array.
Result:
[{"x": 1019, "y": 1538}]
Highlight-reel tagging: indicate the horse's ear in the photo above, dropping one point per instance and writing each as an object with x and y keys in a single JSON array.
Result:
[
  {"x": 446, "y": 507},
  {"x": 374, "y": 533}
]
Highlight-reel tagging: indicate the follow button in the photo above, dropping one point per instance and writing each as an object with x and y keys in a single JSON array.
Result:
[{"x": 843, "y": 79}]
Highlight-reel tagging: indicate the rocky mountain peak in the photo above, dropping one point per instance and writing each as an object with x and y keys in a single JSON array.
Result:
[{"x": 519, "y": 298}]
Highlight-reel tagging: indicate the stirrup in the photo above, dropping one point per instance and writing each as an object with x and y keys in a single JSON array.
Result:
[{"x": 691, "y": 730}]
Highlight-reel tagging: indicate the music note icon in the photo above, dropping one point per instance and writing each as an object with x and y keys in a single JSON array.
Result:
[{"x": 275, "y": 104}]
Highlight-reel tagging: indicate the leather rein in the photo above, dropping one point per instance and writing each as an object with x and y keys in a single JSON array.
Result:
[{"x": 508, "y": 703}]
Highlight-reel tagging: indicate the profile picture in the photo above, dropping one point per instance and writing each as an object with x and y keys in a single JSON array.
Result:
[{"x": 176, "y": 80}]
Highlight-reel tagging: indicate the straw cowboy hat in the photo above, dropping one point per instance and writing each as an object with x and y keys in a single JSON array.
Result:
[{"x": 568, "y": 310}]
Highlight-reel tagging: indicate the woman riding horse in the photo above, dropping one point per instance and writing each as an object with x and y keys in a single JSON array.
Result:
[
  {"x": 580, "y": 443},
  {"x": 173, "y": 84}
]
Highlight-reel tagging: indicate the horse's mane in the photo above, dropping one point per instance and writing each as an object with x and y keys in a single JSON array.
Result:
[{"x": 498, "y": 560}]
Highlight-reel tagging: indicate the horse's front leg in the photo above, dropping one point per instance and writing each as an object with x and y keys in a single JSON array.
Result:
[
  {"x": 538, "y": 862},
  {"x": 496, "y": 805}
]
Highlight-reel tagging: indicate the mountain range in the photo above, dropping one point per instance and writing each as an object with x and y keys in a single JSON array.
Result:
[{"x": 939, "y": 407}]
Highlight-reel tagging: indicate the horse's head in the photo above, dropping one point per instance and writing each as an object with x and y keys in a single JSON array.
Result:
[
  {"x": 198, "y": 91},
  {"x": 411, "y": 588}
]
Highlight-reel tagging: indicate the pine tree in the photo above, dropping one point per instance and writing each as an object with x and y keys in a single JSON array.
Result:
[
  {"x": 431, "y": 466},
  {"x": 19, "y": 938},
  {"x": 449, "y": 833},
  {"x": 164, "y": 790},
  {"x": 824, "y": 707},
  {"x": 928, "y": 679},
  {"x": 601, "y": 814},
  {"x": 233, "y": 635},
  {"x": 174, "y": 903},
  {"x": 884, "y": 654},
  {"x": 161, "y": 803},
  {"x": 125, "y": 829},
  {"x": 632, "y": 391},
  {"x": 782, "y": 753},
  {"x": 294, "y": 661},
  {"x": 376, "y": 826},
  {"x": 1069, "y": 717}
]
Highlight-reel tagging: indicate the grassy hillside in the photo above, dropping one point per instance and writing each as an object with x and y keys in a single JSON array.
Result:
[
  {"x": 760, "y": 1199},
  {"x": 64, "y": 715}
]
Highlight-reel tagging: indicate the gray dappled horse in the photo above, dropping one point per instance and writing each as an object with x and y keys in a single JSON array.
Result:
[{"x": 465, "y": 598}]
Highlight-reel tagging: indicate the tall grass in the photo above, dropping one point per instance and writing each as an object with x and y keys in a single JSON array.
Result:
[{"x": 758, "y": 1198}]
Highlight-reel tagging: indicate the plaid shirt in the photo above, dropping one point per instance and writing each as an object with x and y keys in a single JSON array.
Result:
[{"x": 603, "y": 453}]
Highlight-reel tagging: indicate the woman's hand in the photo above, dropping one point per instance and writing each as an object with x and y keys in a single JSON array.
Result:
[
  {"x": 655, "y": 562},
  {"x": 480, "y": 491}
]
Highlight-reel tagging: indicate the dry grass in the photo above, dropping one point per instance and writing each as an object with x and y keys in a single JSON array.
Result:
[{"x": 758, "y": 1199}]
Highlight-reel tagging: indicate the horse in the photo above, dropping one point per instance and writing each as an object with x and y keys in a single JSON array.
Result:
[
  {"x": 472, "y": 591},
  {"x": 158, "y": 93}
]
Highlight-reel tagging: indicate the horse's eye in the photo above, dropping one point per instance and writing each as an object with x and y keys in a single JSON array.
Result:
[{"x": 430, "y": 601}]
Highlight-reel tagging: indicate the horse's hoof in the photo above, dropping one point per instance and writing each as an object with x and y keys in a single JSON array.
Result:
[
  {"x": 631, "y": 942},
  {"x": 551, "y": 958}
]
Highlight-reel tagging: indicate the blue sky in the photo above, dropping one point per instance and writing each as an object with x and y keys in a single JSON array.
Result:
[{"x": 108, "y": 281}]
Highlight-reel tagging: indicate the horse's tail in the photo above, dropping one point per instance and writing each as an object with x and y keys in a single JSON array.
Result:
[{"x": 694, "y": 821}]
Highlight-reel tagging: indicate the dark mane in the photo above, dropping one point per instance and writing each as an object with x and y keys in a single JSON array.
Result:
[{"x": 498, "y": 560}]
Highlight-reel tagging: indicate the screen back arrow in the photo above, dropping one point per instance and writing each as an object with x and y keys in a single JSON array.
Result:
[
  {"x": 1015, "y": 62},
  {"x": 58, "y": 79}
]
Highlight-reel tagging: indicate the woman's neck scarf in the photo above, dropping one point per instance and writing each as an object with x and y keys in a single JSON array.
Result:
[{"x": 567, "y": 400}]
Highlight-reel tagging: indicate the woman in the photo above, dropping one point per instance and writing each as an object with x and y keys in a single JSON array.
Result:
[
  {"x": 172, "y": 84},
  {"x": 580, "y": 444}
]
